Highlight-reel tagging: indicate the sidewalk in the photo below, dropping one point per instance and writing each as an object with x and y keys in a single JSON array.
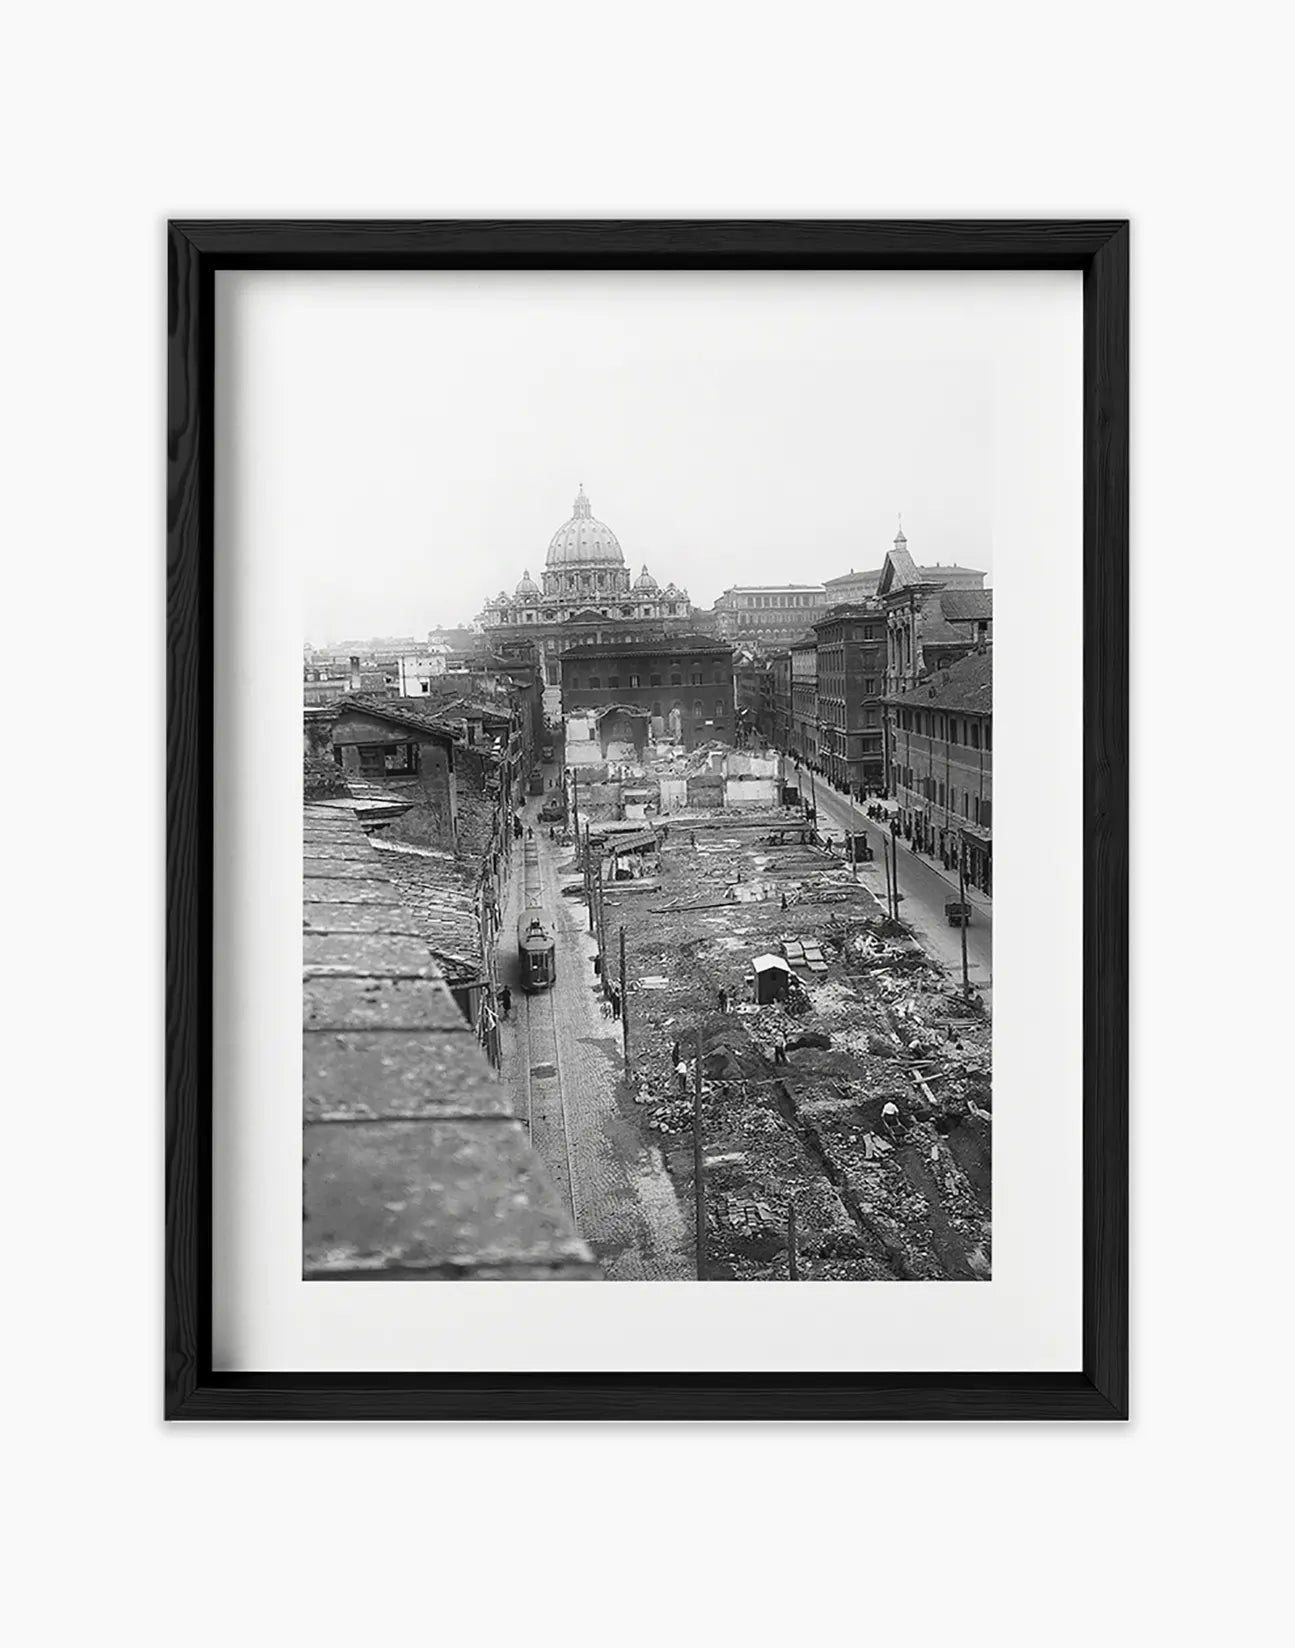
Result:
[
  {"x": 925, "y": 886},
  {"x": 853, "y": 814}
]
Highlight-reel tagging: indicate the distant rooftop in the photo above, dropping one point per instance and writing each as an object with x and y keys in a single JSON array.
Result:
[
  {"x": 679, "y": 645},
  {"x": 965, "y": 604},
  {"x": 967, "y": 685}
]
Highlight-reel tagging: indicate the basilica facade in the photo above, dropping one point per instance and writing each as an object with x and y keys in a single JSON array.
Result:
[{"x": 586, "y": 595}]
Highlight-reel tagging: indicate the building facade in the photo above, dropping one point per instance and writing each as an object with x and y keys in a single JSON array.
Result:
[
  {"x": 778, "y": 730},
  {"x": 930, "y": 622},
  {"x": 804, "y": 699},
  {"x": 683, "y": 684},
  {"x": 850, "y": 683},
  {"x": 941, "y": 744},
  {"x": 852, "y": 586},
  {"x": 767, "y": 616},
  {"x": 586, "y": 594}
]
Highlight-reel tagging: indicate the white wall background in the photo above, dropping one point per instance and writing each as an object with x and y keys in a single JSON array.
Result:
[{"x": 1165, "y": 1529}]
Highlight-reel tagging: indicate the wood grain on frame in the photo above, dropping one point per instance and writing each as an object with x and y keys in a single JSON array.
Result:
[{"x": 196, "y": 250}]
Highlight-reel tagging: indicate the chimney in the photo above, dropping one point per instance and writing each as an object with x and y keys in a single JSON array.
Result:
[{"x": 355, "y": 672}]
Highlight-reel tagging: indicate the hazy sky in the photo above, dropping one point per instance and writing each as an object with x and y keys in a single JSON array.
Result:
[{"x": 741, "y": 428}]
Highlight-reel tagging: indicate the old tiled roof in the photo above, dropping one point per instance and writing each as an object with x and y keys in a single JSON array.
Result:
[
  {"x": 899, "y": 571},
  {"x": 964, "y": 604},
  {"x": 675, "y": 644},
  {"x": 473, "y": 709},
  {"x": 439, "y": 893},
  {"x": 401, "y": 711},
  {"x": 967, "y": 685},
  {"x": 415, "y": 1163}
]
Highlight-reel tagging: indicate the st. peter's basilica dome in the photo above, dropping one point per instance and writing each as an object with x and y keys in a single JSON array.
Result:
[{"x": 583, "y": 541}]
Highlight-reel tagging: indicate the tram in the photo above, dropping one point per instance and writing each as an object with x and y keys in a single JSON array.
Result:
[{"x": 535, "y": 952}]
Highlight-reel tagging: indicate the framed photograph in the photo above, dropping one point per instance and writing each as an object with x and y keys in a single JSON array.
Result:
[{"x": 647, "y": 820}]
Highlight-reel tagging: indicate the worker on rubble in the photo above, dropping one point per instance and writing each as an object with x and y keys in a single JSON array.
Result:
[{"x": 890, "y": 1117}]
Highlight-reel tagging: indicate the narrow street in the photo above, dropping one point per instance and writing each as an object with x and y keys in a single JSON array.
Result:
[
  {"x": 562, "y": 1064},
  {"x": 924, "y": 886}
]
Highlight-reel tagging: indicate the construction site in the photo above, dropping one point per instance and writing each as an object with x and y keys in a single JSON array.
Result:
[{"x": 793, "y": 1047}]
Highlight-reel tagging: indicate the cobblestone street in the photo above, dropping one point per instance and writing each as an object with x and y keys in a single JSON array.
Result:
[{"x": 562, "y": 1064}]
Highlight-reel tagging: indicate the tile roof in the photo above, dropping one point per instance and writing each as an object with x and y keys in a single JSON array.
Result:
[
  {"x": 967, "y": 685},
  {"x": 681, "y": 644},
  {"x": 964, "y": 604},
  {"x": 440, "y": 895},
  {"x": 398, "y": 710}
]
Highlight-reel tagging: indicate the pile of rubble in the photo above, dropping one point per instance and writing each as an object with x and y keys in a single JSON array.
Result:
[{"x": 863, "y": 1095}]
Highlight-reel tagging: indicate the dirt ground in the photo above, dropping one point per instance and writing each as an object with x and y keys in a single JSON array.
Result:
[{"x": 898, "y": 1196}]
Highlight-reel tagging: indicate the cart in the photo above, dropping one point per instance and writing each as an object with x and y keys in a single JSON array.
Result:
[{"x": 957, "y": 913}]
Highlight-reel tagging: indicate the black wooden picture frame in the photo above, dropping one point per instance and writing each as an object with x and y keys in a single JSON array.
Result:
[{"x": 196, "y": 251}]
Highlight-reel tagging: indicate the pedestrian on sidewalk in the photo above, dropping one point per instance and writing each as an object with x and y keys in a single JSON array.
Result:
[{"x": 505, "y": 1002}]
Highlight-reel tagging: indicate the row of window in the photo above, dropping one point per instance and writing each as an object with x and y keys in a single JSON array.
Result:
[
  {"x": 968, "y": 731},
  {"x": 976, "y": 809},
  {"x": 550, "y": 617},
  {"x": 767, "y": 601},
  {"x": 697, "y": 679}
]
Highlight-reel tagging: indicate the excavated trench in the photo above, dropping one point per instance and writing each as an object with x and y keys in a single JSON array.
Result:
[{"x": 878, "y": 1242}]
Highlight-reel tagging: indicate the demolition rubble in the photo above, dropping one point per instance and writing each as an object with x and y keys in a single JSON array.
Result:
[{"x": 845, "y": 1080}]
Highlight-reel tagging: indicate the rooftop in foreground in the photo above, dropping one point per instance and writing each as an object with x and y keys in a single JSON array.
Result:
[{"x": 415, "y": 1165}]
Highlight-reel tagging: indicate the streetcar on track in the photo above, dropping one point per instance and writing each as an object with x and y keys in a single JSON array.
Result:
[{"x": 535, "y": 950}]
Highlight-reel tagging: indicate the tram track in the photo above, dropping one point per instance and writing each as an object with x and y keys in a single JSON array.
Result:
[{"x": 546, "y": 1096}]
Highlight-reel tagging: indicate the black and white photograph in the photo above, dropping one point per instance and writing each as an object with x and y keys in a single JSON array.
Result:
[{"x": 647, "y": 705}]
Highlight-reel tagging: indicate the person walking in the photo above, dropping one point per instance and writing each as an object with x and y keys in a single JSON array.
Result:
[
  {"x": 505, "y": 1002},
  {"x": 723, "y": 1000},
  {"x": 780, "y": 1048}
]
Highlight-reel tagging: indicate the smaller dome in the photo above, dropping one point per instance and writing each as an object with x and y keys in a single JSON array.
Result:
[
  {"x": 646, "y": 582},
  {"x": 528, "y": 586},
  {"x": 672, "y": 590}
]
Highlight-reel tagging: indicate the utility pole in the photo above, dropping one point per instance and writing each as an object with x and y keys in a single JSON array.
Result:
[
  {"x": 793, "y": 1258},
  {"x": 575, "y": 808},
  {"x": 885, "y": 859},
  {"x": 894, "y": 853},
  {"x": 962, "y": 900},
  {"x": 698, "y": 1163},
  {"x": 625, "y": 1014},
  {"x": 589, "y": 880},
  {"x": 602, "y": 923}
]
